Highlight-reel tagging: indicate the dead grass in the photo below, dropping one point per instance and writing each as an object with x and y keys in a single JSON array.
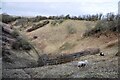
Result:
[
  {"x": 111, "y": 43},
  {"x": 67, "y": 46},
  {"x": 56, "y": 39},
  {"x": 56, "y": 36}
]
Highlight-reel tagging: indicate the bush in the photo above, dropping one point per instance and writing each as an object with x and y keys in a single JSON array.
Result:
[
  {"x": 7, "y": 18},
  {"x": 66, "y": 46},
  {"x": 102, "y": 26},
  {"x": 57, "y": 22},
  {"x": 37, "y": 26},
  {"x": 15, "y": 34},
  {"x": 91, "y": 32},
  {"x": 16, "y": 45},
  {"x": 61, "y": 21},
  {"x": 54, "y": 23},
  {"x": 21, "y": 44},
  {"x": 25, "y": 45},
  {"x": 71, "y": 30}
]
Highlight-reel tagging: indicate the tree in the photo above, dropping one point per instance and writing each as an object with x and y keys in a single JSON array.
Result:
[
  {"x": 100, "y": 16},
  {"x": 67, "y": 16},
  {"x": 110, "y": 16}
]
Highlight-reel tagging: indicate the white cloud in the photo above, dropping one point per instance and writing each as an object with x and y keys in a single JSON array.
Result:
[
  {"x": 94, "y": 1},
  {"x": 58, "y": 7}
]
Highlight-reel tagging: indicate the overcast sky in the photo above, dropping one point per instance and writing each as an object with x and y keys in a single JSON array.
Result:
[{"x": 58, "y": 7}]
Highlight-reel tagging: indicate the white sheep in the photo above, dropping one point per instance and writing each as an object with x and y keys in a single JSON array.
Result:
[{"x": 82, "y": 63}]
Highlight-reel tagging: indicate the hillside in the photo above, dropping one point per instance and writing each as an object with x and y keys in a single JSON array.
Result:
[
  {"x": 68, "y": 31},
  {"x": 15, "y": 50},
  {"x": 65, "y": 37}
]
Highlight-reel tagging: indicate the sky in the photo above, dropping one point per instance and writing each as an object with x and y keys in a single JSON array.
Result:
[{"x": 58, "y": 7}]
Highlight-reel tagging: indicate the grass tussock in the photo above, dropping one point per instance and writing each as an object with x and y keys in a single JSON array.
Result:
[
  {"x": 57, "y": 22},
  {"x": 71, "y": 30},
  {"x": 67, "y": 46}
]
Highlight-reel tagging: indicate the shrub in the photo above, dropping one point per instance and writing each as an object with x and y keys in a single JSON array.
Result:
[
  {"x": 7, "y": 59},
  {"x": 15, "y": 34},
  {"x": 37, "y": 26},
  {"x": 102, "y": 26},
  {"x": 25, "y": 45},
  {"x": 53, "y": 23},
  {"x": 61, "y": 21},
  {"x": 21, "y": 44},
  {"x": 57, "y": 22},
  {"x": 91, "y": 32},
  {"x": 71, "y": 30},
  {"x": 7, "y": 18},
  {"x": 5, "y": 52},
  {"x": 16, "y": 45},
  {"x": 37, "y": 18},
  {"x": 66, "y": 46}
]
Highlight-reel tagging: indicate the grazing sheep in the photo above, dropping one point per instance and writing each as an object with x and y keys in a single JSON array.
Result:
[
  {"x": 82, "y": 63},
  {"x": 101, "y": 54}
]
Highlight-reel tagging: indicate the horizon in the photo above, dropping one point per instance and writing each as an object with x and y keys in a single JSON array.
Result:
[{"x": 57, "y": 8}]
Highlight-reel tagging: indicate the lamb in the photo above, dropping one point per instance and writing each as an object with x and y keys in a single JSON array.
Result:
[{"x": 82, "y": 63}]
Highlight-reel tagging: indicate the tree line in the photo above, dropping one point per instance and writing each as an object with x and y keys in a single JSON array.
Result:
[
  {"x": 109, "y": 17},
  {"x": 94, "y": 17}
]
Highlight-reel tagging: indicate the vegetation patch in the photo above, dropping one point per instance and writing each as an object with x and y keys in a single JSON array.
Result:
[
  {"x": 111, "y": 44},
  {"x": 38, "y": 26},
  {"x": 71, "y": 30},
  {"x": 57, "y": 22},
  {"x": 94, "y": 75},
  {"x": 21, "y": 44},
  {"x": 15, "y": 33},
  {"x": 7, "y": 18},
  {"x": 67, "y": 46},
  {"x": 102, "y": 26}
]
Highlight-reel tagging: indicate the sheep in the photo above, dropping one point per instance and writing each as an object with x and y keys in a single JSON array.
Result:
[{"x": 82, "y": 63}]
